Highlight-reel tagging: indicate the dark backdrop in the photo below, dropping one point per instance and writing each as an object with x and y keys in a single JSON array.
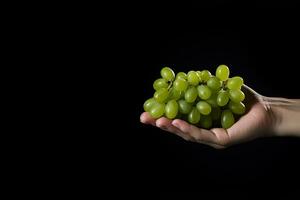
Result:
[{"x": 260, "y": 46}]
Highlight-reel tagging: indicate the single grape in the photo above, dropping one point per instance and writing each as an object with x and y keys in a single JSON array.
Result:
[
  {"x": 174, "y": 94},
  {"x": 171, "y": 109},
  {"x": 227, "y": 119},
  {"x": 180, "y": 84},
  {"x": 212, "y": 100},
  {"x": 193, "y": 78},
  {"x": 149, "y": 103},
  {"x": 204, "y": 92},
  {"x": 184, "y": 107},
  {"x": 194, "y": 116},
  {"x": 215, "y": 113},
  {"x": 205, "y": 75},
  {"x": 206, "y": 121},
  {"x": 191, "y": 94},
  {"x": 222, "y": 72},
  {"x": 157, "y": 110},
  {"x": 160, "y": 83},
  {"x": 237, "y": 108},
  {"x": 203, "y": 107},
  {"x": 235, "y": 83},
  {"x": 181, "y": 75},
  {"x": 223, "y": 98},
  {"x": 199, "y": 75},
  {"x": 167, "y": 73},
  {"x": 214, "y": 83},
  {"x": 161, "y": 95},
  {"x": 236, "y": 95}
]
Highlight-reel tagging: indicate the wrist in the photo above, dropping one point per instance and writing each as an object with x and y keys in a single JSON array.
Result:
[
  {"x": 286, "y": 117},
  {"x": 277, "y": 116}
]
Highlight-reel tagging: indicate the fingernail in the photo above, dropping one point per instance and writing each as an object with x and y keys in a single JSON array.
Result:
[
  {"x": 142, "y": 120},
  {"x": 174, "y": 123}
]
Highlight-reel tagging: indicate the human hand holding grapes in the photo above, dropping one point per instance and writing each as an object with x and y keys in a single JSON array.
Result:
[
  {"x": 257, "y": 122},
  {"x": 264, "y": 116}
]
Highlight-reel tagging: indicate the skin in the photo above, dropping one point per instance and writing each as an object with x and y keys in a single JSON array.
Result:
[{"x": 265, "y": 117}]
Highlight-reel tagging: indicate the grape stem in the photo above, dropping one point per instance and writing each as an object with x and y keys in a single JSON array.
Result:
[
  {"x": 224, "y": 85},
  {"x": 170, "y": 85}
]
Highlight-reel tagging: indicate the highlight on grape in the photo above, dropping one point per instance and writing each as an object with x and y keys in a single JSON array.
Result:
[{"x": 198, "y": 97}]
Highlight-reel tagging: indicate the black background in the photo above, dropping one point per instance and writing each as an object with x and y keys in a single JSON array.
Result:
[{"x": 257, "y": 42}]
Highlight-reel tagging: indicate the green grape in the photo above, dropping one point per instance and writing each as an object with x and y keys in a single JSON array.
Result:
[
  {"x": 194, "y": 116},
  {"x": 184, "y": 107},
  {"x": 205, "y": 75},
  {"x": 199, "y": 75},
  {"x": 203, "y": 107},
  {"x": 181, "y": 75},
  {"x": 222, "y": 72},
  {"x": 174, "y": 94},
  {"x": 167, "y": 73},
  {"x": 237, "y": 108},
  {"x": 157, "y": 110},
  {"x": 180, "y": 84},
  {"x": 227, "y": 119},
  {"x": 171, "y": 109},
  {"x": 206, "y": 121},
  {"x": 212, "y": 100},
  {"x": 161, "y": 95},
  {"x": 191, "y": 94},
  {"x": 193, "y": 78},
  {"x": 236, "y": 95},
  {"x": 149, "y": 103},
  {"x": 214, "y": 83},
  {"x": 223, "y": 98},
  {"x": 197, "y": 94},
  {"x": 235, "y": 83},
  {"x": 215, "y": 113},
  {"x": 204, "y": 92},
  {"x": 160, "y": 83}
]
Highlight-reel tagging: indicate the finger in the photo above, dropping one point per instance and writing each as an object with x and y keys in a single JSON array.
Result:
[
  {"x": 200, "y": 135},
  {"x": 250, "y": 92},
  {"x": 195, "y": 132},
  {"x": 147, "y": 119},
  {"x": 166, "y": 124},
  {"x": 221, "y": 136},
  {"x": 250, "y": 96}
]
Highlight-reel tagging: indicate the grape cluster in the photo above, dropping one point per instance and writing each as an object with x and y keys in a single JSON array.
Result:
[{"x": 198, "y": 97}]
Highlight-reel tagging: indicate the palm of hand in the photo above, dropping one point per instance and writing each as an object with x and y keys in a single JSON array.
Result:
[{"x": 255, "y": 123}]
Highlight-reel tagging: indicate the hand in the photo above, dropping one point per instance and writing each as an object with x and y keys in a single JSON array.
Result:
[{"x": 258, "y": 121}]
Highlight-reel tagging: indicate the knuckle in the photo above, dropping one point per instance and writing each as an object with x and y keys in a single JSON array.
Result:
[
  {"x": 197, "y": 137},
  {"x": 224, "y": 142},
  {"x": 186, "y": 129}
]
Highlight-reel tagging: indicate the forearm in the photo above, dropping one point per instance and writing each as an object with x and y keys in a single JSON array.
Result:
[{"x": 286, "y": 113}]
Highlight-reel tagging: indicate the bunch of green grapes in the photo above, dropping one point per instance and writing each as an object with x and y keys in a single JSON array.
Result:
[{"x": 198, "y": 97}]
